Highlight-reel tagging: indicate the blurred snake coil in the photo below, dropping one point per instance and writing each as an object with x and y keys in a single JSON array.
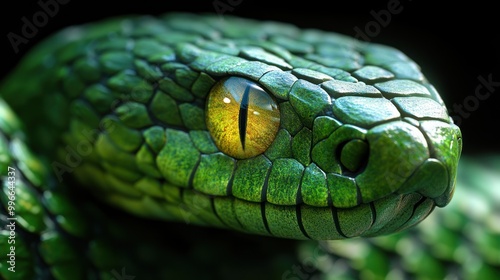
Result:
[{"x": 289, "y": 153}]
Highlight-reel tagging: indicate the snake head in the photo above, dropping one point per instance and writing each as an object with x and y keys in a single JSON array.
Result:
[
  {"x": 253, "y": 126},
  {"x": 364, "y": 145}
]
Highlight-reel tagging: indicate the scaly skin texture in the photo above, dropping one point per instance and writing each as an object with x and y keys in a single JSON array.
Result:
[
  {"x": 461, "y": 241},
  {"x": 63, "y": 233},
  {"x": 364, "y": 147}
]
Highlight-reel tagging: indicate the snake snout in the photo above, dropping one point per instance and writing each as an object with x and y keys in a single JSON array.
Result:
[{"x": 407, "y": 159}]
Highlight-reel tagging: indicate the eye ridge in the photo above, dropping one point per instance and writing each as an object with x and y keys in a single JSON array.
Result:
[{"x": 243, "y": 116}]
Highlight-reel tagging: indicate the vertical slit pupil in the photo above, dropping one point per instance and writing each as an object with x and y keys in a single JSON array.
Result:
[{"x": 243, "y": 116}]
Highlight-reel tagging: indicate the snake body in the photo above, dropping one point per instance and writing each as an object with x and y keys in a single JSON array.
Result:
[{"x": 259, "y": 128}]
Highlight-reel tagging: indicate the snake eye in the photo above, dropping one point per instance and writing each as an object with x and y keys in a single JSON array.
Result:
[{"x": 242, "y": 118}]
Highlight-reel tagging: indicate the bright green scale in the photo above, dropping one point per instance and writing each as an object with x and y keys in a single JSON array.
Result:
[{"x": 316, "y": 135}]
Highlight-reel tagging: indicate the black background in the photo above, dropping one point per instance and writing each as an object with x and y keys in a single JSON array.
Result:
[{"x": 453, "y": 43}]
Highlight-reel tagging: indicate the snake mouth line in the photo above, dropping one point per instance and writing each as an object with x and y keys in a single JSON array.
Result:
[{"x": 303, "y": 222}]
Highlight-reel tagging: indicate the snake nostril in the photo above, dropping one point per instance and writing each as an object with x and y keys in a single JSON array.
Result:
[{"x": 354, "y": 155}]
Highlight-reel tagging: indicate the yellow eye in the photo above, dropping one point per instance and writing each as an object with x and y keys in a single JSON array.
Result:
[{"x": 242, "y": 118}]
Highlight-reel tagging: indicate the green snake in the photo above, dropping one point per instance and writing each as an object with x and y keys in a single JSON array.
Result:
[{"x": 125, "y": 143}]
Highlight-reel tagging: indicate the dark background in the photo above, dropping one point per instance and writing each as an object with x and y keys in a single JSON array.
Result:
[{"x": 453, "y": 43}]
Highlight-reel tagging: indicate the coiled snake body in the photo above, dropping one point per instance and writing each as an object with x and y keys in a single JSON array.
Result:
[{"x": 253, "y": 127}]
